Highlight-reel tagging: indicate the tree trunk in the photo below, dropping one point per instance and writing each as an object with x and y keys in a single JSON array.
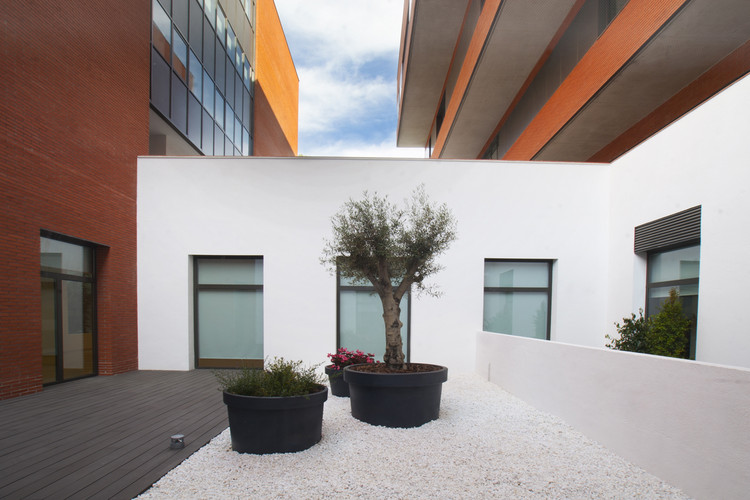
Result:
[{"x": 394, "y": 352}]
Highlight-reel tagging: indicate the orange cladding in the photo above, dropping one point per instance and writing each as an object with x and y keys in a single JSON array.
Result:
[
  {"x": 631, "y": 29},
  {"x": 276, "y": 87}
]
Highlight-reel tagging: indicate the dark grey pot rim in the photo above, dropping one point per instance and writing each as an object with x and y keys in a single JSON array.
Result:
[
  {"x": 417, "y": 379},
  {"x": 276, "y": 403}
]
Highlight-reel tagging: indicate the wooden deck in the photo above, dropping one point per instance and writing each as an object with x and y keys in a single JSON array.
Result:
[{"x": 105, "y": 437}]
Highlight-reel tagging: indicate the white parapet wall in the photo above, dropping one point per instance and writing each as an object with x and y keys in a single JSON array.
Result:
[{"x": 684, "y": 421}]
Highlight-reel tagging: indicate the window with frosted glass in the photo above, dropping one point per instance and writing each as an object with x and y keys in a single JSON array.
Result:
[
  {"x": 517, "y": 297},
  {"x": 679, "y": 269},
  {"x": 360, "y": 319},
  {"x": 228, "y": 311}
]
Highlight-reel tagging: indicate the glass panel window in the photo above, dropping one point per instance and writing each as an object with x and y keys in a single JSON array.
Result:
[
  {"x": 161, "y": 31},
  {"x": 207, "y": 144},
  {"x": 208, "y": 93},
  {"x": 194, "y": 120},
  {"x": 246, "y": 72},
  {"x": 219, "y": 107},
  {"x": 677, "y": 269},
  {"x": 237, "y": 132},
  {"x": 180, "y": 15},
  {"x": 196, "y": 74},
  {"x": 218, "y": 141},
  {"x": 221, "y": 60},
  {"x": 209, "y": 7},
  {"x": 517, "y": 297},
  {"x": 231, "y": 43},
  {"x": 245, "y": 142},
  {"x": 68, "y": 308},
  {"x": 221, "y": 26},
  {"x": 196, "y": 28},
  {"x": 229, "y": 311},
  {"x": 180, "y": 56},
  {"x": 178, "y": 113},
  {"x": 360, "y": 324},
  {"x": 65, "y": 258},
  {"x": 209, "y": 48},
  {"x": 229, "y": 121}
]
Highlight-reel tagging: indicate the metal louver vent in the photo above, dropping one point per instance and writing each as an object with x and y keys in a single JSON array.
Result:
[{"x": 673, "y": 230}]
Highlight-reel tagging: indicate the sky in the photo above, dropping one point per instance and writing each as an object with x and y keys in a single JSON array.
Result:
[{"x": 346, "y": 52}]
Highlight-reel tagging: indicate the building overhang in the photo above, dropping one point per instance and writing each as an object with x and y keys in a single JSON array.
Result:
[
  {"x": 519, "y": 40},
  {"x": 429, "y": 43}
]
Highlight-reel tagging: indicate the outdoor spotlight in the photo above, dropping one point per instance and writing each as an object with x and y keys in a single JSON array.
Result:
[{"x": 177, "y": 442}]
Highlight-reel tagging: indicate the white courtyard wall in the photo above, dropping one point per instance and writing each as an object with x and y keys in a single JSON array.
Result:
[
  {"x": 702, "y": 159},
  {"x": 683, "y": 421},
  {"x": 281, "y": 208}
]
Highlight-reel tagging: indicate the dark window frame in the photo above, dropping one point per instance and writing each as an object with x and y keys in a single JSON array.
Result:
[
  {"x": 197, "y": 287},
  {"x": 547, "y": 289},
  {"x": 59, "y": 277}
]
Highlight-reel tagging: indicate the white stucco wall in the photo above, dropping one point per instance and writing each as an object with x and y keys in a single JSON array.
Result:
[
  {"x": 683, "y": 421},
  {"x": 281, "y": 208},
  {"x": 702, "y": 159}
]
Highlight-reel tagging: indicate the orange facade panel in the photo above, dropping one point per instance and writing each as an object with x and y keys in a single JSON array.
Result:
[
  {"x": 276, "y": 87},
  {"x": 633, "y": 27}
]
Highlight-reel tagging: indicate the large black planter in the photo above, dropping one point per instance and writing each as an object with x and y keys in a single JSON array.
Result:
[
  {"x": 275, "y": 425},
  {"x": 395, "y": 399},
  {"x": 338, "y": 386}
]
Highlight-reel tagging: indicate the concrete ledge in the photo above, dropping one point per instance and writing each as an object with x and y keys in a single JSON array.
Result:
[{"x": 684, "y": 421}]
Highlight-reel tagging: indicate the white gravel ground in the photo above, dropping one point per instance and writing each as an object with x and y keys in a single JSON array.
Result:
[{"x": 486, "y": 444}]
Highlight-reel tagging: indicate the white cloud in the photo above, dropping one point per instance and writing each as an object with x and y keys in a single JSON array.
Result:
[
  {"x": 329, "y": 101},
  {"x": 345, "y": 52},
  {"x": 342, "y": 29},
  {"x": 361, "y": 149}
]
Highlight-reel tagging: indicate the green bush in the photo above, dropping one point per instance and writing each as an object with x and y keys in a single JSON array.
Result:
[
  {"x": 666, "y": 333},
  {"x": 279, "y": 378}
]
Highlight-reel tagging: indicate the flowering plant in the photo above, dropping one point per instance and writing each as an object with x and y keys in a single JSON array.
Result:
[{"x": 344, "y": 357}]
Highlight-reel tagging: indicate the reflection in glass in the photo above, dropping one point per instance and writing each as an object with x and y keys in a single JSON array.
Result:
[
  {"x": 361, "y": 322},
  {"x": 221, "y": 25},
  {"x": 208, "y": 94},
  {"x": 219, "y": 115},
  {"x": 209, "y": 7},
  {"x": 237, "y": 132},
  {"x": 230, "y": 324},
  {"x": 65, "y": 258},
  {"x": 683, "y": 263},
  {"x": 246, "y": 72},
  {"x": 180, "y": 61},
  {"x": 523, "y": 314},
  {"x": 49, "y": 342},
  {"x": 245, "y": 142},
  {"x": 229, "y": 121},
  {"x": 77, "y": 329},
  {"x": 196, "y": 73},
  {"x": 231, "y": 43},
  {"x": 230, "y": 271},
  {"x": 160, "y": 31},
  {"x": 516, "y": 274}
]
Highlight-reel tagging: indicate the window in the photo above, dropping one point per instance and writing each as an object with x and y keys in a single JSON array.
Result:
[
  {"x": 228, "y": 311},
  {"x": 68, "y": 309},
  {"x": 671, "y": 246},
  {"x": 518, "y": 297},
  {"x": 678, "y": 269},
  {"x": 161, "y": 31},
  {"x": 360, "y": 319}
]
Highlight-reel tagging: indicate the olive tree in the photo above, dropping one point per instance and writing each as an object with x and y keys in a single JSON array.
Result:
[{"x": 393, "y": 248}]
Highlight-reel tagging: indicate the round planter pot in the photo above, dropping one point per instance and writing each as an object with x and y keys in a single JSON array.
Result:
[
  {"x": 275, "y": 425},
  {"x": 338, "y": 386},
  {"x": 395, "y": 399}
]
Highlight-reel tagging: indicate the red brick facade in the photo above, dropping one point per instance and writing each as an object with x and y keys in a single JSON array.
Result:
[{"x": 73, "y": 119}]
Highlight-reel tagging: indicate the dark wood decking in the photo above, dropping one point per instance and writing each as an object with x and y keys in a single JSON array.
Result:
[{"x": 105, "y": 437}]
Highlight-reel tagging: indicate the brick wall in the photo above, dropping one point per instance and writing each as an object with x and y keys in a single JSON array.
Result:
[{"x": 73, "y": 118}]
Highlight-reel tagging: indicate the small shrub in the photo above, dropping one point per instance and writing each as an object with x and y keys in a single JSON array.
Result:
[
  {"x": 666, "y": 333},
  {"x": 279, "y": 378},
  {"x": 633, "y": 334}
]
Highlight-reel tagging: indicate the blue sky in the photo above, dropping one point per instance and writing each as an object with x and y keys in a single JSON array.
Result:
[{"x": 346, "y": 52}]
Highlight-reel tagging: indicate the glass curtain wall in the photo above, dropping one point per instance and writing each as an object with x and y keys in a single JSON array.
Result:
[
  {"x": 68, "y": 310},
  {"x": 517, "y": 297},
  {"x": 201, "y": 78},
  {"x": 228, "y": 311},
  {"x": 360, "y": 319}
]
